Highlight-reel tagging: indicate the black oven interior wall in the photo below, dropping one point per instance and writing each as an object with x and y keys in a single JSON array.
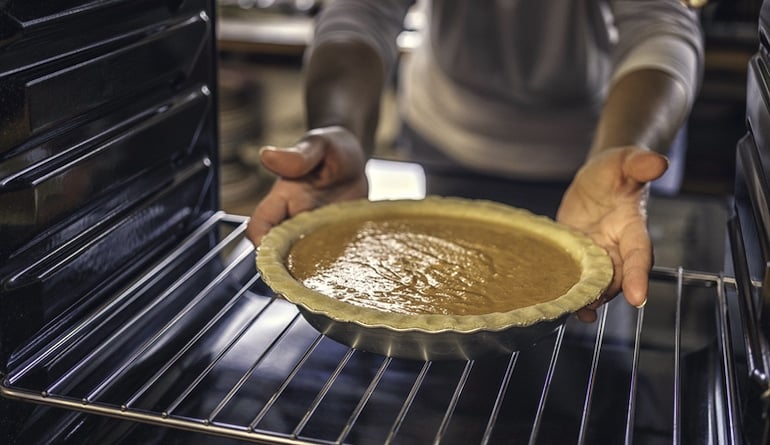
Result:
[{"x": 107, "y": 153}]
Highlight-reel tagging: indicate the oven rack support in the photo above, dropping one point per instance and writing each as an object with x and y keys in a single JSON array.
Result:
[
  {"x": 750, "y": 301},
  {"x": 164, "y": 379}
]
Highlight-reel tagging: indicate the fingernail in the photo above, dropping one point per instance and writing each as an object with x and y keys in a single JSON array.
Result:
[
  {"x": 299, "y": 149},
  {"x": 644, "y": 303}
]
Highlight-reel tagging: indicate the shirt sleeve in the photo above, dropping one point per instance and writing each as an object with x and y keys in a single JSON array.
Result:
[
  {"x": 659, "y": 34},
  {"x": 376, "y": 23}
]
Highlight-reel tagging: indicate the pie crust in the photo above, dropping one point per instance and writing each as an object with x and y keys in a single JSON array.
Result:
[{"x": 595, "y": 266}]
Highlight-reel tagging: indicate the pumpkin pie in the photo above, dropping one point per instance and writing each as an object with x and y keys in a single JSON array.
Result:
[{"x": 433, "y": 265}]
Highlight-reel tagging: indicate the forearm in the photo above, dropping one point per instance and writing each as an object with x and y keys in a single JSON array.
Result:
[
  {"x": 344, "y": 81},
  {"x": 644, "y": 108}
]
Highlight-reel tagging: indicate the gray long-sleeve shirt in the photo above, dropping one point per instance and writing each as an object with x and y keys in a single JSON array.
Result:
[{"x": 515, "y": 87}]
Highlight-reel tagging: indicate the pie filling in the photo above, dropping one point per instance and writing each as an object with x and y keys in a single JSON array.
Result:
[{"x": 427, "y": 265}]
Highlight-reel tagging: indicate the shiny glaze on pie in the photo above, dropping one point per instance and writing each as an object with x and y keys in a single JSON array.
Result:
[{"x": 426, "y": 265}]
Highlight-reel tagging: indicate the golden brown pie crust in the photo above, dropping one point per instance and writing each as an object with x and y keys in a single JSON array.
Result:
[{"x": 479, "y": 265}]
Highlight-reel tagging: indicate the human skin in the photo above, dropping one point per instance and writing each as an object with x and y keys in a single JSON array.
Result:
[{"x": 606, "y": 200}]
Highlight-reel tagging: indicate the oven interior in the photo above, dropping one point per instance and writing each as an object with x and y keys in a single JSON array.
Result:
[{"x": 131, "y": 310}]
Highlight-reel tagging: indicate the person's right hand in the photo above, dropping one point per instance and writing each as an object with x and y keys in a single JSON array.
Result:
[{"x": 326, "y": 166}]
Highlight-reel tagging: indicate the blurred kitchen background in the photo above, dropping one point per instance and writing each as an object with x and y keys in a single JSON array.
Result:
[{"x": 261, "y": 43}]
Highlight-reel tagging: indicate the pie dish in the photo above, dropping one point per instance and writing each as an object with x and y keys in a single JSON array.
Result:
[{"x": 393, "y": 277}]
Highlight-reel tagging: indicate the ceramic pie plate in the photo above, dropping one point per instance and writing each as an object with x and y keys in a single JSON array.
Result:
[{"x": 433, "y": 336}]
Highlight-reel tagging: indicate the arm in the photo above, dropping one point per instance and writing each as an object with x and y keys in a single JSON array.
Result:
[
  {"x": 608, "y": 196},
  {"x": 645, "y": 108},
  {"x": 658, "y": 68},
  {"x": 343, "y": 86},
  {"x": 344, "y": 82},
  {"x": 353, "y": 52}
]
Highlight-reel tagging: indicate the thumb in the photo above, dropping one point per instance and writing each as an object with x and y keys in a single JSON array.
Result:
[
  {"x": 295, "y": 161},
  {"x": 645, "y": 166}
]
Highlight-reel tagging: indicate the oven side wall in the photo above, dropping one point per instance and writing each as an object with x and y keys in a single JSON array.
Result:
[{"x": 108, "y": 157}]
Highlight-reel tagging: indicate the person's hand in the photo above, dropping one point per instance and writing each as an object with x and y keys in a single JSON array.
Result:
[
  {"x": 327, "y": 165},
  {"x": 607, "y": 201}
]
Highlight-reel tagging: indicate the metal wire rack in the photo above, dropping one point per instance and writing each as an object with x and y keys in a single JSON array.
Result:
[{"x": 200, "y": 343}]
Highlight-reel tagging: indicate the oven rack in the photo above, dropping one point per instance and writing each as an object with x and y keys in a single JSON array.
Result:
[{"x": 200, "y": 343}]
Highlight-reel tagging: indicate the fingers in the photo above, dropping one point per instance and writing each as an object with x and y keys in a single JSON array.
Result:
[
  {"x": 632, "y": 261},
  {"x": 327, "y": 165},
  {"x": 285, "y": 199},
  {"x": 636, "y": 256},
  {"x": 586, "y": 315},
  {"x": 614, "y": 215},
  {"x": 645, "y": 166},
  {"x": 634, "y": 245},
  {"x": 270, "y": 211},
  {"x": 293, "y": 162}
]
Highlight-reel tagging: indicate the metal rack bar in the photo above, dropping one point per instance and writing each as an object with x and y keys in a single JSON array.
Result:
[
  {"x": 687, "y": 276},
  {"x": 453, "y": 402},
  {"x": 546, "y": 386},
  {"x": 728, "y": 365},
  {"x": 138, "y": 316},
  {"x": 269, "y": 404},
  {"x": 200, "y": 377},
  {"x": 153, "y": 418},
  {"x": 364, "y": 400},
  {"x": 499, "y": 399},
  {"x": 592, "y": 375},
  {"x": 677, "y": 428},
  {"x": 408, "y": 402},
  {"x": 321, "y": 394},
  {"x": 106, "y": 383},
  {"x": 107, "y": 312},
  {"x": 245, "y": 376},
  {"x": 175, "y": 358},
  {"x": 251, "y": 432},
  {"x": 629, "y": 435}
]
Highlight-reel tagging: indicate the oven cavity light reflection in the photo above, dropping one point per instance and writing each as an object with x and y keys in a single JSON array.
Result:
[{"x": 395, "y": 180}]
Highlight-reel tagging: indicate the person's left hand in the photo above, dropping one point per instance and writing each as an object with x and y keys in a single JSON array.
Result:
[{"x": 607, "y": 201}]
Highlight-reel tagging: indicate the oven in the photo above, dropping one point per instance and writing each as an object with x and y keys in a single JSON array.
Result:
[{"x": 131, "y": 311}]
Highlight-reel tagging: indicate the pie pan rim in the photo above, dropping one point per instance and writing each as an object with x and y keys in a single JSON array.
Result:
[{"x": 595, "y": 264}]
